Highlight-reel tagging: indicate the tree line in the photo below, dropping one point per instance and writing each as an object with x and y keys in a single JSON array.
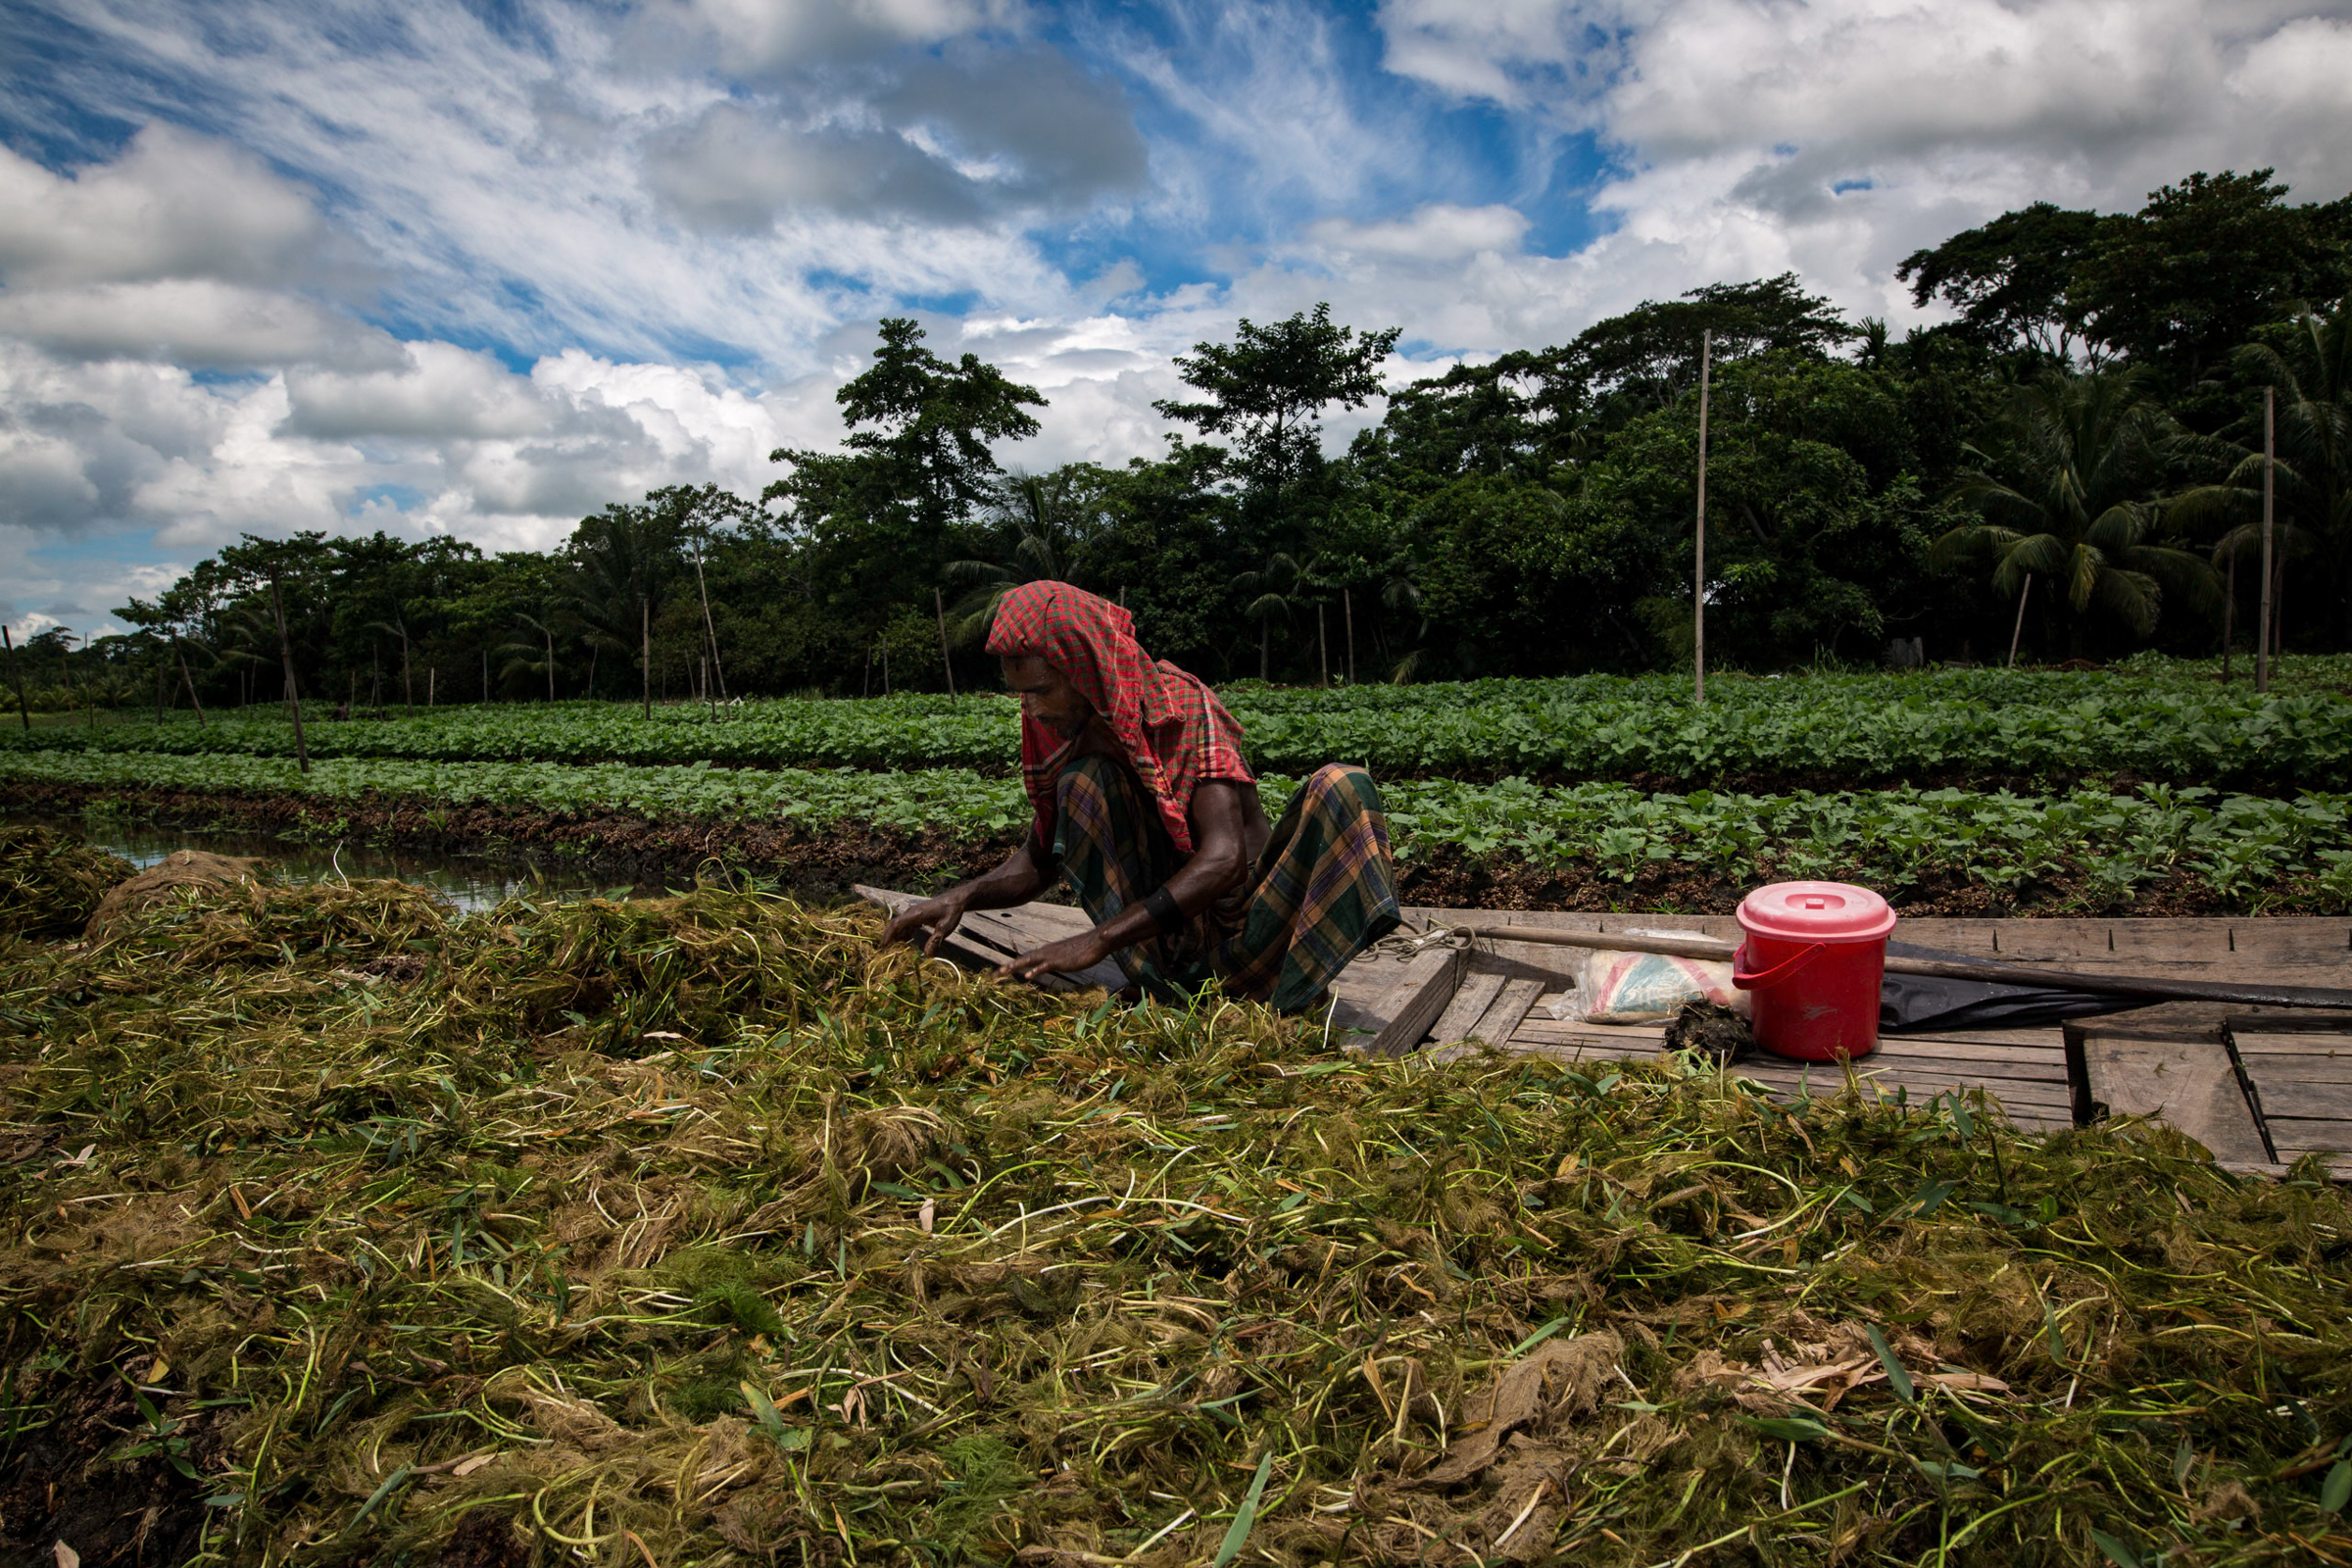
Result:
[{"x": 2072, "y": 464}]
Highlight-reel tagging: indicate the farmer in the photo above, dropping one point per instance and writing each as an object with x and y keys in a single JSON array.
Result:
[{"x": 1143, "y": 800}]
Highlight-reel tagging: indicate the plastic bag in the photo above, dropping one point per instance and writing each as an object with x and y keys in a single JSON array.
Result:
[{"x": 1652, "y": 987}]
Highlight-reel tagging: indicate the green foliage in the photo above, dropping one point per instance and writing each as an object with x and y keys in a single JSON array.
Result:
[{"x": 2155, "y": 720}]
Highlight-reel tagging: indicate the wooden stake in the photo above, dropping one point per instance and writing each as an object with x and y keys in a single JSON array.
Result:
[
  {"x": 285, "y": 654},
  {"x": 708, "y": 629},
  {"x": 433, "y": 682},
  {"x": 1347, "y": 605},
  {"x": 182, "y": 656},
  {"x": 2019, "y": 631},
  {"x": 645, "y": 651},
  {"x": 2229, "y": 612},
  {"x": 2269, "y": 463},
  {"x": 939, "y": 606},
  {"x": 24, "y": 708},
  {"x": 1322, "y": 648},
  {"x": 1698, "y": 583}
]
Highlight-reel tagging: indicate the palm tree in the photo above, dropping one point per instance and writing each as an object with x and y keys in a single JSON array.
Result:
[
  {"x": 1048, "y": 530},
  {"x": 2310, "y": 375},
  {"x": 2068, "y": 494},
  {"x": 1273, "y": 589},
  {"x": 532, "y": 658},
  {"x": 623, "y": 559}
]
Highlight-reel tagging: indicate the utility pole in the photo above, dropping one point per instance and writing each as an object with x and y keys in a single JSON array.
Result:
[
  {"x": 2269, "y": 463},
  {"x": 1698, "y": 582},
  {"x": 285, "y": 654}
]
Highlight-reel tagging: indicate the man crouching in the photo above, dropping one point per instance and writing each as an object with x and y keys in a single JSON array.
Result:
[{"x": 1143, "y": 801}]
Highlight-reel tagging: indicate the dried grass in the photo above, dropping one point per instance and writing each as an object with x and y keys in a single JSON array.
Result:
[{"x": 698, "y": 1230}]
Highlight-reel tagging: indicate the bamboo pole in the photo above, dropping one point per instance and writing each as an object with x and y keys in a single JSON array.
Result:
[
  {"x": 1698, "y": 582},
  {"x": 2012, "y": 974},
  {"x": 2269, "y": 463},
  {"x": 2228, "y": 609},
  {"x": 645, "y": 651},
  {"x": 15, "y": 675},
  {"x": 182, "y": 656},
  {"x": 285, "y": 654},
  {"x": 709, "y": 630},
  {"x": 939, "y": 606},
  {"x": 2019, "y": 631},
  {"x": 1322, "y": 647},
  {"x": 1347, "y": 605}
]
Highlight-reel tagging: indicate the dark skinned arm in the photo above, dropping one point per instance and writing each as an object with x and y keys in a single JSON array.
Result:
[
  {"x": 1016, "y": 881},
  {"x": 1218, "y": 864}
]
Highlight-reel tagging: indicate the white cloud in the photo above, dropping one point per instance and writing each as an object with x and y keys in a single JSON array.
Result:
[
  {"x": 190, "y": 322},
  {"x": 684, "y": 220},
  {"x": 172, "y": 206}
]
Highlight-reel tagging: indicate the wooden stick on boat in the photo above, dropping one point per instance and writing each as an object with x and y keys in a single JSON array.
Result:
[{"x": 2012, "y": 974}]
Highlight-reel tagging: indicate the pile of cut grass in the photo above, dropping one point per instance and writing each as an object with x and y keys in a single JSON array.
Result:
[
  {"x": 698, "y": 1230},
  {"x": 50, "y": 882}
]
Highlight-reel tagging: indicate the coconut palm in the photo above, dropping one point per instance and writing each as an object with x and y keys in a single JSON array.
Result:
[
  {"x": 2310, "y": 372},
  {"x": 1280, "y": 587},
  {"x": 532, "y": 658},
  {"x": 1049, "y": 528},
  {"x": 2068, "y": 493}
]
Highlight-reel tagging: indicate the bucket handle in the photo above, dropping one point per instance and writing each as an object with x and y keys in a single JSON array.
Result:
[{"x": 1747, "y": 979}]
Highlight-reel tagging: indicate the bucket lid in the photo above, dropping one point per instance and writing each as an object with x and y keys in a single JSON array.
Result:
[{"x": 1816, "y": 912}]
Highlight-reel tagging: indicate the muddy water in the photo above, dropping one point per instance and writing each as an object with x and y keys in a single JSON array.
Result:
[{"x": 471, "y": 882}]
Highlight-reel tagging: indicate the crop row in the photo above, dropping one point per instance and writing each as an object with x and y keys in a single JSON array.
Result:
[
  {"x": 2249, "y": 849},
  {"x": 1803, "y": 729}
]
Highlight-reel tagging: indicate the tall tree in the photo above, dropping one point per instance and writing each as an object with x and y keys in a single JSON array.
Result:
[
  {"x": 1648, "y": 356},
  {"x": 1267, "y": 389},
  {"x": 925, "y": 425},
  {"x": 2011, "y": 279},
  {"x": 2190, "y": 276}
]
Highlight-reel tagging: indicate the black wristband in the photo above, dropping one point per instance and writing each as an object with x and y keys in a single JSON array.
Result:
[{"x": 1164, "y": 910}]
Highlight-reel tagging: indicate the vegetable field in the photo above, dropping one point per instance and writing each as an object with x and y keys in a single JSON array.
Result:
[
  {"x": 2152, "y": 788},
  {"x": 2162, "y": 721}
]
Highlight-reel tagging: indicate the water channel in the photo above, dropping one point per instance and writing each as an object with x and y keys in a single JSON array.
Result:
[{"x": 469, "y": 881}]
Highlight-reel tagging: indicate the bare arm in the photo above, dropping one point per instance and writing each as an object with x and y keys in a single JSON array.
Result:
[
  {"x": 1219, "y": 862},
  {"x": 1016, "y": 881}
]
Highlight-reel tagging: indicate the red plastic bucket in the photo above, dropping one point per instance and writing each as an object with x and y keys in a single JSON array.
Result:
[{"x": 1814, "y": 957}]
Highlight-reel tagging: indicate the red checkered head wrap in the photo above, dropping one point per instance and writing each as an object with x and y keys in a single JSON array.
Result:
[{"x": 1175, "y": 732}]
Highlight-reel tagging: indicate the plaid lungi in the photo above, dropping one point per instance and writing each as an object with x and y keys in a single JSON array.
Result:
[{"x": 1324, "y": 888}]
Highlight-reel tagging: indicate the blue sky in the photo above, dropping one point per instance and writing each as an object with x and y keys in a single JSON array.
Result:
[{"x": 478, "y": 269}]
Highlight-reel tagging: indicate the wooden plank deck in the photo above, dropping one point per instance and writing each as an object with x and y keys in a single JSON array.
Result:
[{"x": 2259, "y": 1091}]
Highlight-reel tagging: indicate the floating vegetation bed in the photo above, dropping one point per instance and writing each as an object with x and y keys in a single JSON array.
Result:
[{"x": 699, "y": 1231}]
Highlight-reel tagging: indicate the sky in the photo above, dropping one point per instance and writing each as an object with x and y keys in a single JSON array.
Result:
[{"x": 481, "y": 268}]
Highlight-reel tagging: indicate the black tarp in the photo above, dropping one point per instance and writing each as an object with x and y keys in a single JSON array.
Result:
[{"x": 1920, "y": 1003}]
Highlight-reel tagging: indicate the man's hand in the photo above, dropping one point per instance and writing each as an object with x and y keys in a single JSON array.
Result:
[
  {"x": 940, "y": 915},
  {"x": 1067, "y": 956}
]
